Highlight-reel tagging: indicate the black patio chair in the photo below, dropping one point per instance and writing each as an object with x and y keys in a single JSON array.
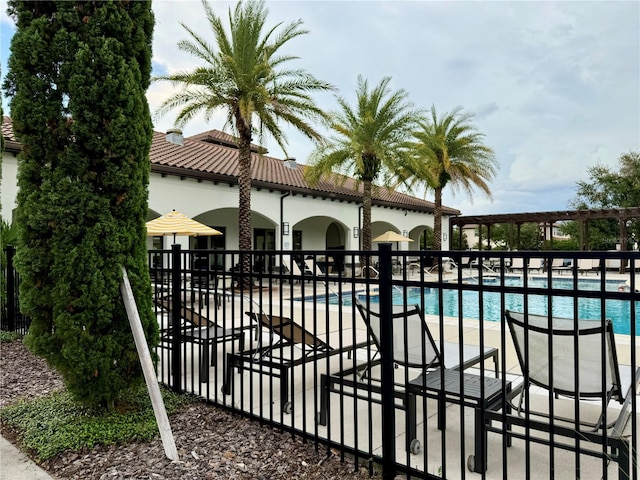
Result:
[
  {"x": 291, "y": 345},
  {"x": 200, "y": 330}
]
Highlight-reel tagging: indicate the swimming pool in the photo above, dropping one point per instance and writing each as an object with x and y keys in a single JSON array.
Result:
[{"x": 588, "y": 308}]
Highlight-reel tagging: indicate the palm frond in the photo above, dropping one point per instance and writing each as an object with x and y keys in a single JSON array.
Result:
[
  {"x": 368, "y": 142},
  {"x": 245, "y": 75},
  {"x": 448, "y": 150}
]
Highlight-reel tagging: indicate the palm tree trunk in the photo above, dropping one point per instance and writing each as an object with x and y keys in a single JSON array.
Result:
[
  {"x": 366, "y": 215},
  {"x": 437, "y": 220},
  {"x": 437, "y": 224},
  {"x": 244, "y": 201},
  {"x": 244, "y": 197},
  {"x": 365, "y": 233}
]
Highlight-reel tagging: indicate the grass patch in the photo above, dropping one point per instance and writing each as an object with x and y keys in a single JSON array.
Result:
[
  {"x": 6, "y": 337},
  {"x": 50, "y": 425}
]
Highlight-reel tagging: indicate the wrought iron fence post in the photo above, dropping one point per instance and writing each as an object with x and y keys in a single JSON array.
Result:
[
  {"x": 386, "y": 354},
  {"x": 11, "y": 290},
  {"x": 176, "y": 307}
]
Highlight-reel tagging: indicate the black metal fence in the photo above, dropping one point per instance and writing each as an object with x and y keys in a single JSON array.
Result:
[
  {"x": 11, "y": 319},
  {"x": 429, "y": 364},
  {"x": 407, "y": 362}
]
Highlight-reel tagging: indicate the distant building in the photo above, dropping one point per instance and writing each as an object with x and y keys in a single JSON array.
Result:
[{"x": 549, "y": 231}]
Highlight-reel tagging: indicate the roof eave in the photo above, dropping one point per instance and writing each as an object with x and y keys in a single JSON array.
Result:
[
  {"x": 12, "y": 146},
  {"x": 231, "y": 180},
  {"x": 198, "y": 175}
]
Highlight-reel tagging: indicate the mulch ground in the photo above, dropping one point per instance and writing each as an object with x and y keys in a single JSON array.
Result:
[{"x": 212, "y": 443}]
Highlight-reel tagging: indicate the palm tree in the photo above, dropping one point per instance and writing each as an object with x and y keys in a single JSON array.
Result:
[
  {"x": 369, "y": 140},
  {"x": 449, "y": 151},
  {"x": 244, "y": 76}
]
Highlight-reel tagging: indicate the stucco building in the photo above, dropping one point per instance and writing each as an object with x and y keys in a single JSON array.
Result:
[{"x": 198, "y": 176}]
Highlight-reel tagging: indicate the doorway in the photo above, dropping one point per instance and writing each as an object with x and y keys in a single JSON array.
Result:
[{"x": 264, "y": 239}]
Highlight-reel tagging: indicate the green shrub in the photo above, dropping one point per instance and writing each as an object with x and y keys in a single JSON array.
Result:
[
  {"x": 83, "y": 175},
  {"x": 50, "y": 425},
  {"x": 6, "y": 337}
]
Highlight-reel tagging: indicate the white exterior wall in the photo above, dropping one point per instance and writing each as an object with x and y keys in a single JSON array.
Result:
[
  {"x": 9, "y": 185},
  {"x": 217, "y": 205}
]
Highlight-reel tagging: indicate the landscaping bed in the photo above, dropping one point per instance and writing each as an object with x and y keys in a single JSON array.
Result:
[{"x": 212, "y": 443}]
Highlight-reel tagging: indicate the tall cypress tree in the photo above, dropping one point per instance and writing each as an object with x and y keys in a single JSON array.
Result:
[
  {"x": 3, "y": 256},
  {"x": 78, "y": 73}
]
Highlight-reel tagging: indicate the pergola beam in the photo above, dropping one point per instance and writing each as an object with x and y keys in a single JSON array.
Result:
[{"x": 546, "y": 217}]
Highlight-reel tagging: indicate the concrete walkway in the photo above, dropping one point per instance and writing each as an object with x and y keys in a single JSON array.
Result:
[{"x": 15, "y": 465}]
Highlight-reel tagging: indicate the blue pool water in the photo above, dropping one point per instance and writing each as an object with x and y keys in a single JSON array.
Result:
[{"x": 588, "y": 308}]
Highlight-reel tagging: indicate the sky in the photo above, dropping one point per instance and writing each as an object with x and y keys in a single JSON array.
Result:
[{"x": 553, "y": 86}]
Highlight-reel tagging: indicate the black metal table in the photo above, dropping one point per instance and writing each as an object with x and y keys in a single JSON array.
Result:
[
  {"x": 207, "y": 338},
  {"x": 450, "y": 386},
  {"x": 484, "y": 394}
]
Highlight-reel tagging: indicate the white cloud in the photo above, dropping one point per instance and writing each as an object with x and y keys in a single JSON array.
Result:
[
  {"x": 554, "y": 85},
  {"x": 5, "y": 20}
]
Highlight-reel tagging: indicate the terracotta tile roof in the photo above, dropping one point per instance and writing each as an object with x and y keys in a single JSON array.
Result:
[
  {"x": 7, "y": 129},
  {"x": 222, "y": 138},
  {"x": 199, "y": 158},
  {"x": 10, "y": 142}
]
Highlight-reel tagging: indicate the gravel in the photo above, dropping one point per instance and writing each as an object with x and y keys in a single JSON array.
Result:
[{"x": 212, "y": 443}]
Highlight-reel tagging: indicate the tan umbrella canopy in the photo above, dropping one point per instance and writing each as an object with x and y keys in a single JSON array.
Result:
[
  {"x": 391, "y": 236},
  {"x": 176, "y": 223}
]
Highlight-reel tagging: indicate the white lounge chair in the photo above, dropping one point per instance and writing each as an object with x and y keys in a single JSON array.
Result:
[
  {"x": 575, "y": 359},
  {"x": 536, "y": 264},
  {"x": 558, "y": 265},
  {"x": 292, "y": 266},
  {"x": 517, "y": 263},
  {"x": 586, "y": 265},
  {"x": 415, "y": 348},
  {"x": 313, "y": 268}
]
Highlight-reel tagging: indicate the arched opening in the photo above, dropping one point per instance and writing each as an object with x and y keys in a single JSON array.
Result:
[{"x": 335, "y": 240}]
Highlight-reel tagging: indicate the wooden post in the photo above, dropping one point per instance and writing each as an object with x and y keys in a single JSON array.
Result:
[{"x": 159, "y": 410}]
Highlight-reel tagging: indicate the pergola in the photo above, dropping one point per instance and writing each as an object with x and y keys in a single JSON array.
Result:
[{"x": 623, "y": 215}]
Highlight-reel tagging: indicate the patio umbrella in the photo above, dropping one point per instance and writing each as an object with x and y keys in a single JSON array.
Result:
[
  {"x": 391, "y": 236},
  {"x": 176, "y": 223}
]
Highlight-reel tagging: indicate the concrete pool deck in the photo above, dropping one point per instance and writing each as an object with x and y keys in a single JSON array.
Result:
[{"x": 333, "y": 322}]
